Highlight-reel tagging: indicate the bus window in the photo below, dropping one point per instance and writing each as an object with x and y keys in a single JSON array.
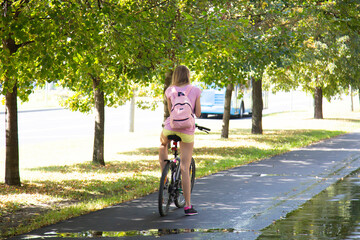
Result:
[{"x": 213, "y": 100}]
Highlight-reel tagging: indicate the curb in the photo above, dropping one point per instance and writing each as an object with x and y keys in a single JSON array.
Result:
[{"x": 36, "y": 110}]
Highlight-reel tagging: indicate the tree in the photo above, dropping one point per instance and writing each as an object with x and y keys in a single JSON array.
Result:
[
  {"x": 324, "y": 58},
  {"x": 30, "y": 33},
  {"x": 227, "y": 107},
  {"x": 217, "y": 55},
  {"x": 12, "y": 174},
  {"x": 257, "y": 106},
  {"x": 347, "y": 68},
  {"x": 92, "y": 67},
  {"x": 98, "y": 150},
  {"x": 185, "y": 28},
  {"x": 108, "y": 60},
  {"x": 265, "y": 44},
  {"x": 242, "y": 40},
  {"x": 167, "y": 83}
]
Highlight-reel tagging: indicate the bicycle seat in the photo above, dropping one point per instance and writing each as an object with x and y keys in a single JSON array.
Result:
[{"x": 175, "y": 138}]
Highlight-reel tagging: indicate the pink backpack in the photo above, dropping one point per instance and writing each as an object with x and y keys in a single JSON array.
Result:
[{"x": 181, "y": 115}]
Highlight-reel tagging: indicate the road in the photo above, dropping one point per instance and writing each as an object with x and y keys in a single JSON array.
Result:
[
  {"x": 46, "y": 125},
  {"x": 49, "y": 137},
  {"x": 42, "y": 125},
  {"x": 59, "y": 124},
  {"x": 73, "y": 131},
  {"x": 65, "y": 134},
  {"x": 234, "y": 204}
]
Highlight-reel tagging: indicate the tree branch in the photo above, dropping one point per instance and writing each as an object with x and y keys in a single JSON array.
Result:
[
  {"x": 24, "y": 44},
  {"x": 5, "y": 6},
  {"x": 151, "y": 7},
  {"x": 22, "y": 5}
]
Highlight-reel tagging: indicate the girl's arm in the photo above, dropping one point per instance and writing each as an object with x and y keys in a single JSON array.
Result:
[{"x": 197, "y": 107}]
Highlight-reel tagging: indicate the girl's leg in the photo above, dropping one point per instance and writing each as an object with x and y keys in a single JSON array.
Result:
[
  {"x": 186, "y": 155},
  {"x": 163, "y": 150}
]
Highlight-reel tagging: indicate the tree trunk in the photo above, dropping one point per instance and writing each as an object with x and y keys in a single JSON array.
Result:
[
  {"x": 12, "y": 173},
  {"x": 227, "y": 107},
  {"x": 167, "y": 83},
  {"x": 98, "y": 154},
  {"x": 257, "y": 106},
  {"x": 318, "y": 103}
]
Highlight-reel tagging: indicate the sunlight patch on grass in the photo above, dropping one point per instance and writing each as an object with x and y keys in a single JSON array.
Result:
[{"x": 27, "y": 198}]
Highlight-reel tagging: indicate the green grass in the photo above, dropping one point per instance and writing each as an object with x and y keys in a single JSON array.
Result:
[
  {"x": 53, "y": 193},
  {"x": 250, "y": 148}
]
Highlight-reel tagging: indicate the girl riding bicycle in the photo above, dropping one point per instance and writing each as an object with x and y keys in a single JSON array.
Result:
[{"x": 181, "y": 81}]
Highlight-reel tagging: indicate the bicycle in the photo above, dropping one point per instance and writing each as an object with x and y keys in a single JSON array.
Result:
[{"x": 170, "y": 189}]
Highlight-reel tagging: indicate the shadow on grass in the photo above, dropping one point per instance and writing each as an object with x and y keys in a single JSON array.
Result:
[
  {"x": 285, "y": 138},
  {"x": 204, "y": 156},
  {"x": 232, "y": 157},
  {"x": 270, "y": 143},
  {"x": 67, "y": 198},
  {"x": 110, "y": 167},
  {"x": 85, "y": 190}
]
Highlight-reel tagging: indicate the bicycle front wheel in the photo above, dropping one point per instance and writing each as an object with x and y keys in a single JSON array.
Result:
[{"x": 164, "y": 200}]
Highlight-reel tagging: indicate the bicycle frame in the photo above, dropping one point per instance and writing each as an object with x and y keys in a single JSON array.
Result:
[
  {"x": 174, "y": 148},
  {"x": 170, "y": 183}
]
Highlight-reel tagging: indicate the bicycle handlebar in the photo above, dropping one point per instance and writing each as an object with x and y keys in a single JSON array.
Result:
[{"x": 204, "y": 129}]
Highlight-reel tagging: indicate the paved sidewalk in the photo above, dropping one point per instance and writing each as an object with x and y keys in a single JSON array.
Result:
[{"x": 233, "y": 204}]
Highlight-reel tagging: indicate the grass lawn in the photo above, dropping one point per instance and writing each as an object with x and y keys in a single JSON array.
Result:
[{"x": 53, "y": 193}]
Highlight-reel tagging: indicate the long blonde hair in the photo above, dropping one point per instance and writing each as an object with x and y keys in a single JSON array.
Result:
[{"x": 181, "y": 76}]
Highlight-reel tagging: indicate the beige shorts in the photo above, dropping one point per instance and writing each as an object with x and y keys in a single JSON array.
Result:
[{"x": 186, "y": 138}]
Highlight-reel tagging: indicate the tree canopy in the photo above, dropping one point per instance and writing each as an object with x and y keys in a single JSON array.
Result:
[
  {"x": 105, "y": 48},
  {"x": 325, "y": 51}
]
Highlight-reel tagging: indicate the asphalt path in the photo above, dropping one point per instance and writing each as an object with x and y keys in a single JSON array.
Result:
[{"x": 233, "y": 204}]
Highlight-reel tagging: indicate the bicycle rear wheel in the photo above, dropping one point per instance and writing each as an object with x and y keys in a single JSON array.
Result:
[
  {"x": 180, "y": 199},
  {"x": 164, "y": 199}
]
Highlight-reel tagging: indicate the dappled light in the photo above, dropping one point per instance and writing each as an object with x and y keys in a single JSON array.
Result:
[
  {"x": 127, "y": 165},
  {"x": 142, "y": 152}
]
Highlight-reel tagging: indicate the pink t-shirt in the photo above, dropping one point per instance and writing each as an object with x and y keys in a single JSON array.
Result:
[{"x": 193, "y": 95}]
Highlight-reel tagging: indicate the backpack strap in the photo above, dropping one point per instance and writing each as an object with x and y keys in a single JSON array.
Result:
[
  {"x": 188, "y": 89},
  {"x": 174, "y": 92}
]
